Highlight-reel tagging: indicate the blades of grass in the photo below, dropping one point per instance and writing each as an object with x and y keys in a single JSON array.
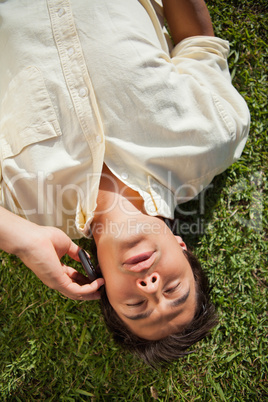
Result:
[
  {"x": 81, "y": 341},
  {"x": 83, "y": 392}
]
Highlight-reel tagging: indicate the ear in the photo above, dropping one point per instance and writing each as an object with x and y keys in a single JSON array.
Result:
[{"x": 181, "y": 242}]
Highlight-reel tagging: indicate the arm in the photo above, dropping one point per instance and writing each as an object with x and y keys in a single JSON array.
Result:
[
  {"x": 187, "y": 18},
  {"x": 41, "y": 248}
]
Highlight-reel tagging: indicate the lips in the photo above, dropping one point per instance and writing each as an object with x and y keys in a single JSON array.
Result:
[{"x": 140, "y": 262}]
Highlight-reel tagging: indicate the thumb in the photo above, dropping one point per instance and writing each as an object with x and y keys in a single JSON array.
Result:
[{"x": 73, "y": 251}]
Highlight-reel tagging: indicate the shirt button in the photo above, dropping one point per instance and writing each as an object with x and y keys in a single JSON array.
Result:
[
  {"x": 70, "y": 51},
  {"x": 151, "y": 208},
  {"x": 98, "y": 138},
  {"x": 61, "y": 12},
  {"x": 82, "y": 92},
  {"x": 124, "y": 176}
]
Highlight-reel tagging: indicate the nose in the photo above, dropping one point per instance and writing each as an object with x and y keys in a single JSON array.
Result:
[{"x": 150, "y": 283}]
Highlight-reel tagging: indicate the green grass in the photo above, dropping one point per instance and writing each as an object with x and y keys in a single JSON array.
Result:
[{"x": 55, "y": 349}]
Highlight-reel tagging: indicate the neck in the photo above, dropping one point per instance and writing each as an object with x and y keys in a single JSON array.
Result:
[{"x": 115, "y": 204}]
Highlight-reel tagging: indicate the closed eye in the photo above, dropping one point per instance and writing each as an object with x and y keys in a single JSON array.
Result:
[
  {"x": 169, "y": 291},
  {"x": 136, "y": 304},
  {"x": 173, "y": 289}
]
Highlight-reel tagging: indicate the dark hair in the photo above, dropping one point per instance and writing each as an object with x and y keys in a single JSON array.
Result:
[{"x": 175, "y": 345}]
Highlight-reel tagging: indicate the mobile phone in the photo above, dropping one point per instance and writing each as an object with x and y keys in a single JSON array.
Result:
[{"x": 91, "y": 271}]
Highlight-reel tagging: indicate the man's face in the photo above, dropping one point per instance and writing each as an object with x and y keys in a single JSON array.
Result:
[{"x": 148, "y": 279}]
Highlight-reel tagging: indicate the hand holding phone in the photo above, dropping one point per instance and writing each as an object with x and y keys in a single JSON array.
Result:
[{"x": 91, "y": 271}]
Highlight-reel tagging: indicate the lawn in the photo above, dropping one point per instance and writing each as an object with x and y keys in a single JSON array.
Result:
[{"x": 56, "y": 349}]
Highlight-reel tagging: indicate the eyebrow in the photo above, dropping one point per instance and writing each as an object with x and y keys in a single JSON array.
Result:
[{"x": 174, "y": 303}]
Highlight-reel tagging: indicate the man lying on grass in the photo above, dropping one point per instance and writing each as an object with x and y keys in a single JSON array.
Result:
[{"x": 105, "y": 128}]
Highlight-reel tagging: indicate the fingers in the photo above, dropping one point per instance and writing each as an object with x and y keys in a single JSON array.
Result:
[
  {"x": 42, "y": 255},
  {"x": 76, "y": 286},
  {"x": 85, "y": 292},
  {"x": 77, "y": 276}
]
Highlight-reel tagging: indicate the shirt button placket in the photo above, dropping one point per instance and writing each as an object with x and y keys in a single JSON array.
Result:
[{"x": 75, "y": 77}]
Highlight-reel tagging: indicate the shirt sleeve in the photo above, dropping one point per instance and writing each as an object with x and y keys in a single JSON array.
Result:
[{"x": 204, "y": 58}]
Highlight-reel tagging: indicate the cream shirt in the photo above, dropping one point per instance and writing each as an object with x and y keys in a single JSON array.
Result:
[{"x": 84, "y": 82}]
